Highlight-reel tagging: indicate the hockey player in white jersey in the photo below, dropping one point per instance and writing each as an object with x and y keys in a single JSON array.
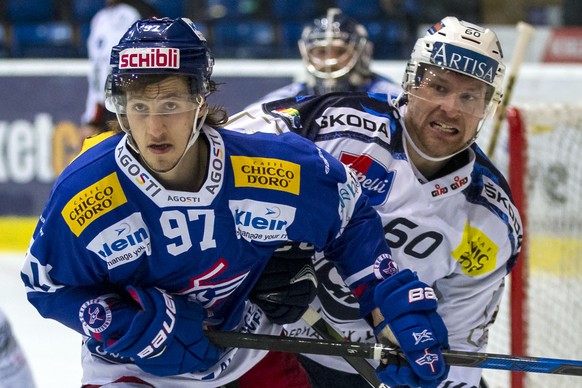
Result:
[
  {"x": 337, "y": 55},
  {"x": 447, "y": 211},
  {"x": 160, "y": 230}
]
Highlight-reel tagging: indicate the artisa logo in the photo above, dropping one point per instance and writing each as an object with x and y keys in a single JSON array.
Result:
[
  {"x": 150, "y": 58},
  {"x": 465, "y": 61}
]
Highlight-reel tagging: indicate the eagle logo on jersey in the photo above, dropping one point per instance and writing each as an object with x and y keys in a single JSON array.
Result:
[{"x": 207, "y": 290}]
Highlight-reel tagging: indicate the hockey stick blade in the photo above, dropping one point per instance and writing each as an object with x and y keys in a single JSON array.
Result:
[{"x": 377, "y": 352}]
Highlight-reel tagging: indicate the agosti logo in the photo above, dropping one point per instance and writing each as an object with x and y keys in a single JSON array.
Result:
[
  {"x": 91, "y": 203},
  {"x": 476, "y": 253},
  {"x": 266, "y": 173}
]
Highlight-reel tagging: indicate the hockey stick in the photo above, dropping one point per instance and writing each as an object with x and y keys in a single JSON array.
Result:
[
  {"x": 391, "y": 355},
  {"x": 328, "y": 333},
  {"x": 525, "y": 33}
]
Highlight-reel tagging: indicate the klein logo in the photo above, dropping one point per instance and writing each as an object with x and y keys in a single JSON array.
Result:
[
  {"x": 122, "y": 242},
  {"x": 149, "y": 58}
]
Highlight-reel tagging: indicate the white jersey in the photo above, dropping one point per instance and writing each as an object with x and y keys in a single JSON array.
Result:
[
  {"x": 460, "y": 232},
  {"x": 14, "y": 369},
  {"x": 107, "y": 27}
]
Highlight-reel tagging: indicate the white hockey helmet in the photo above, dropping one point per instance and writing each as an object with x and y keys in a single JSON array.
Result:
[
  {"x": 334, "y": 48},
  {"x": 464, "y": 48}
]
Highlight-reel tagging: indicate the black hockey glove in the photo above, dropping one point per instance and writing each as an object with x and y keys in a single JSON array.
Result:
[{"x": 287, "y": 285}]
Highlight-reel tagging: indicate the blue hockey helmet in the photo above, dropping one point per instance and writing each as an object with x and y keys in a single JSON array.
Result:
[{"x": 160, "y": 46}]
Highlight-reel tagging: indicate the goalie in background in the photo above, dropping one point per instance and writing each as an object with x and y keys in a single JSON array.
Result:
[
  {"x": 336, "y": 54},
  {"x": 447, "y": 211}
]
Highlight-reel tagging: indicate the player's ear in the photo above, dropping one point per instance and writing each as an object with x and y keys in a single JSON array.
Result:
[{"x": 203, "y": 109}]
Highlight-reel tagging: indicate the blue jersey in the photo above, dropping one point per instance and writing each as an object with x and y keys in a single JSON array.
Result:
[{"x": 108, "y": 223}]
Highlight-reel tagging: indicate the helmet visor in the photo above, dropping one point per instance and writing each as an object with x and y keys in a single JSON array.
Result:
[
  {"x": 137, "y": 97},
  {"x": 452, "y": 91}
]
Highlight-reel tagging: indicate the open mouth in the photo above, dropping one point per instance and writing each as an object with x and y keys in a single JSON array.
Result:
[{"x": 443, "y": 127}]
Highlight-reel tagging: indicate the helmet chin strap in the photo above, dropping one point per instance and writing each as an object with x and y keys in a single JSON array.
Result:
[{"x": 196, "y": 127}]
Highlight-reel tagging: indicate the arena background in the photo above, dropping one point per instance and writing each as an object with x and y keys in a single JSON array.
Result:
[{"x": 43, "y": 99}]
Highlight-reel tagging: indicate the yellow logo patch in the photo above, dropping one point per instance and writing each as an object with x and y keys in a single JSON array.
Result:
[
  {"x": 91, "y": 203},
  {"x": 266, "y": 173},
  {"x": 476, "y": 253}
]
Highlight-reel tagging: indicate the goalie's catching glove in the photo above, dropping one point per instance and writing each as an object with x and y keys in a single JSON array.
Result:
[
  {"x": 166, "y": 336},
  {"x": 287, "y": 285},
  {"x": 411, "y": 322}
]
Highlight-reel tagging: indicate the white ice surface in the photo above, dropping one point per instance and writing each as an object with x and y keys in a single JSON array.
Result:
[{"x": 53, "y": 350}]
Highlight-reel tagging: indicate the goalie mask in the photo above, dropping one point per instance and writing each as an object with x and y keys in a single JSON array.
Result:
[
  {"x": 453, "y": 48},
  {"x": 336, "y": 52},
  {"x": 151, "y": 51}
]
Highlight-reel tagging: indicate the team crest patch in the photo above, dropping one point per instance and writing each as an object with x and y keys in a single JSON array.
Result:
[
  {"x": 95, "y": 316},
  {"x": 384, "y": 267},
  {"x": 92, "y": 202},
  {"x": 476, "y": 253},
  {"x": 266, "y": 173}
]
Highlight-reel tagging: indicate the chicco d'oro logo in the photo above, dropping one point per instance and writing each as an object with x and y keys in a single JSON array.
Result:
[
  {"x": 266, "y": 173},
  {"x": 91, "y": 203}
]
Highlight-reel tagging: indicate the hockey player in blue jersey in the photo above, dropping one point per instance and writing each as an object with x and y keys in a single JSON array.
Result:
[
  {"x": 447, "y": 211},
  {"x": 160, "y": 230}
]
